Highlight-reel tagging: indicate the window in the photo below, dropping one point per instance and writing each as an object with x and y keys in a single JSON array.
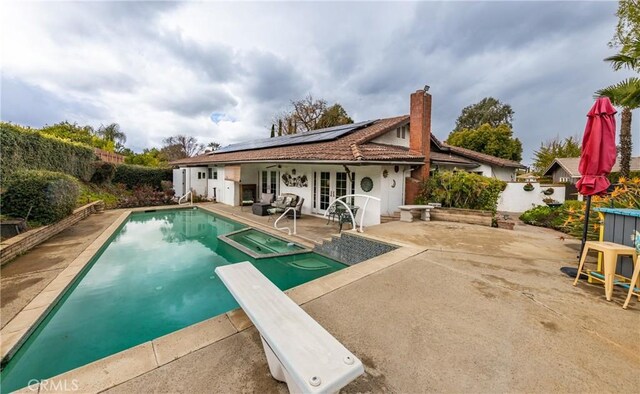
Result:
[
  {"x": 341, "y": 184},
  {"x": 274, "y": 181},
  {"x": 353, "y": 187},
  {"x": 215, "y": 174},
  {"x": 401, "y": 132},
  {"x": 263, "y": 184}
]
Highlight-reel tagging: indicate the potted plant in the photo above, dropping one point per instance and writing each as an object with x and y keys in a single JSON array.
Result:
[
  {"x": 551, "y": 202},
  {"x": 528, "y": 187},
  {"x": 548, "y": 192}
]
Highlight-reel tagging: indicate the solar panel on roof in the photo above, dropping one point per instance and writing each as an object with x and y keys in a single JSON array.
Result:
[{"x": 326, "y": 134}]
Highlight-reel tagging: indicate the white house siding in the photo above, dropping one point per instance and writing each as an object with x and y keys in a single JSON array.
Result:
[
  {"x": 503, "y": 173},
  {"x": 389, "y": 189},
  {"x": 391, "y": 138},
  {"x": 506, "y": 174},
  {"x": 217, "y": 184},
  {"x": 190, "y": 181}
]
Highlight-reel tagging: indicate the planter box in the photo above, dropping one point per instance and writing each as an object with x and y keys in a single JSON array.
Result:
[
  {"x": 505, "y": 224},
  {"x": 470, "y": 216}
]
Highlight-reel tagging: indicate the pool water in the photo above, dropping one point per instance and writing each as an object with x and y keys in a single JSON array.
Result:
[{"x": 154, "y": 276}]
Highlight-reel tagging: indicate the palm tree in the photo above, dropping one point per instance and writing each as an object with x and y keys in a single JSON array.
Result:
[
  {"x": 624, "y": 94},
  {"x": 112, "y": 133},
  {"x": 627, "y": 95}
]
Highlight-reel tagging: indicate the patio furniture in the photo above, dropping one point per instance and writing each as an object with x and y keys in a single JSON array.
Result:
[
  {"x": 619, "y": 224},
  {"x": 406, "y": 212},
  {"x": 284, "y": 201},
  {"x": 610, "y": 252},
  {"x": 344, "y": 217},
  {"x": 634, "y": 285},
  {"x": 299, "y": 351},
  {"x": 298, "y": 209},
  {"x": 260, "y": 208}
]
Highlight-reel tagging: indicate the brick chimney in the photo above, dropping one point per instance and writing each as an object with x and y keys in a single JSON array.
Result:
[{"x": 419, "y": 142}]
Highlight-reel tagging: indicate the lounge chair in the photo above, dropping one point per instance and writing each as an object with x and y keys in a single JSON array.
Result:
[{"x": 283, "y": 202}]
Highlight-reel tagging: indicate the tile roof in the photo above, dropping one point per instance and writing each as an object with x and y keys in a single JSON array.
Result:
[
  {"x": 352, "y": 147},
  {"x": 355, "y": 146},
  {"x": 570, "y": 164},
  {"x": 468, "y": 153}
]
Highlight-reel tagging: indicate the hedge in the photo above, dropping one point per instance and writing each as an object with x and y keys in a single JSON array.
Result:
[
  {"x": 462, "y": 190},
  {"x": 133, "y": 175},
  {"x": 22, "y": 148},
  {"x": 45, "y": 196}
]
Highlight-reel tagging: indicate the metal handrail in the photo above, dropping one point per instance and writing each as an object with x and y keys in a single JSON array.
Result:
[
  {"x": 275, "y": 224},
  {"x": 353, "y": 219},
  {"x": 190, "y": 194}
]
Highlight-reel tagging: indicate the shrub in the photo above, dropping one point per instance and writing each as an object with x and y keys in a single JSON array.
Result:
[
  {"x": 545, "y": 216},
  {"x": 24, "y": 148},
  {"x": 103, "y": 172},
  {"x": 144, "y": 196},
  {"x": 45, "y": 195},
  {"x": 133, "y": 175},
  {"x": 462, "y": 190}
]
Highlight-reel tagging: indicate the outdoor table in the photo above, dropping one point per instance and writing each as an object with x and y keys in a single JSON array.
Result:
[{"x": 620, "y": 226}]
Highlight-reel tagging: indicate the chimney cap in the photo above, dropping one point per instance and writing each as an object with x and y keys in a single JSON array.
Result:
[{"x": 426, "y": 88}]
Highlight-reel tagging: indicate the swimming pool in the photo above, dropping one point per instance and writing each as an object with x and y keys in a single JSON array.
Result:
[{"x": 154, "y": 276}]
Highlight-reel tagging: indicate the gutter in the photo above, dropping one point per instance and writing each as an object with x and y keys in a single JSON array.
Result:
[{"x": 350, "y": 162}]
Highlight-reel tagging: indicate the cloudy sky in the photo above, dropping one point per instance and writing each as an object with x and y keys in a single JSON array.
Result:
[{"x": 219, "y": 71}]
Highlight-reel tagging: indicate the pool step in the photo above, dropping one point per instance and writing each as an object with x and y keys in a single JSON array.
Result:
[{"x": 351, "y": 249}]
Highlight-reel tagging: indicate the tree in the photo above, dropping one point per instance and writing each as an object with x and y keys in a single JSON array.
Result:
[
  {"x": 628, "y": 27},
  {"x": 309, "y": 114},
  {"x": 149, "y": 157},
  {"x": 496, "y": 141},
  {"x": 273, "y": 130},
  {"x": 180, "y": 146},
  {"x": 487, "y": 111},
  {"x": 333, "y": 116},
  {"x": 626, "y": 93},
  {"x": 622, "y": 94},
  {"x": 214, "y": 146},
  {"x": 112, "y": 133},
  {"x": 76, "y": 133},
  {"x": 550, "y": 150}
]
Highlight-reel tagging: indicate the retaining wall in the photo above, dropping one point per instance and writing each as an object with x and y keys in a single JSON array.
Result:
[
  {"x": 470, "y": 216},
  {"x": 24, "y": 242}
]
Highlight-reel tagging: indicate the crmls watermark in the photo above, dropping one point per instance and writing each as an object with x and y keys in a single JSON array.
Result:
[{"x": 53, "y": 385}]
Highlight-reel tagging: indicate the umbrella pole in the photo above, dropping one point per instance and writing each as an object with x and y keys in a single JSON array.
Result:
[{"x": 587, "y": 210}]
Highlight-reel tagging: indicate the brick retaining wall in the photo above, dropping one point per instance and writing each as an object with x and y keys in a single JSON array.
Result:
[{"x": 22, "y": 243}]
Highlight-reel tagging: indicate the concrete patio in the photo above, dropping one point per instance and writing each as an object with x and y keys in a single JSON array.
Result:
[{"x": 481, "y": 310}]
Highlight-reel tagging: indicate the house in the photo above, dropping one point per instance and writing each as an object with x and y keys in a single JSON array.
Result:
[
  {"x": 565, "y": 169},
  {"x": 385, "y": 158},
  {"x": 527, "y": 177}
]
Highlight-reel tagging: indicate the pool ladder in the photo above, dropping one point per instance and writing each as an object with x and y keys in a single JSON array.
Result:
[
  {"x": 190, "y": 194},
  {"x": 275, "y": 224}
]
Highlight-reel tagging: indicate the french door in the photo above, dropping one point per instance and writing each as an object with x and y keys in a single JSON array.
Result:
[
  {"x": 269, "y": 182},
  {"x": 329, "y": 185}
]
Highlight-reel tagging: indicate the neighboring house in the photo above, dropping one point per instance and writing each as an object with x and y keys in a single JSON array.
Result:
[
  {"x": 385, "y": 158},
  {"x": 528, "y": 177},
  {"x": 565, "y": 169}
]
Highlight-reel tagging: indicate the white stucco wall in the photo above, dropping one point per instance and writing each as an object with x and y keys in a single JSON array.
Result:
[
  {"x": 391, "y": 138},
  {"x": 515, "y": 199},
  {"x": 191, "y": 180}
]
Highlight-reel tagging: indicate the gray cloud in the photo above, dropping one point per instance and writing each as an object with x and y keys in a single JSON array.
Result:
[
  {"x": 33, "y": 106},
  {"x": 162, "y": 68}
]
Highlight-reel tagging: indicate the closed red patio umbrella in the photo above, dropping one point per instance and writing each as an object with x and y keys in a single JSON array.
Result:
[{"x": 598, "y": 154}]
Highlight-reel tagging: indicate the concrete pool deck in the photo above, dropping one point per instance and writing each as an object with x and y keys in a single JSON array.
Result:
[{"x": 481, "y": 310}]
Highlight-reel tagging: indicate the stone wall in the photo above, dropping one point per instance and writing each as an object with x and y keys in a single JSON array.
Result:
[
  {"x": 470, "y": 216},
  {"x": 22, "y": 243}
]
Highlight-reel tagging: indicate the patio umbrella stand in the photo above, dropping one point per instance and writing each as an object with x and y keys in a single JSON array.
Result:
[{"x": 597, "y": 157}]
